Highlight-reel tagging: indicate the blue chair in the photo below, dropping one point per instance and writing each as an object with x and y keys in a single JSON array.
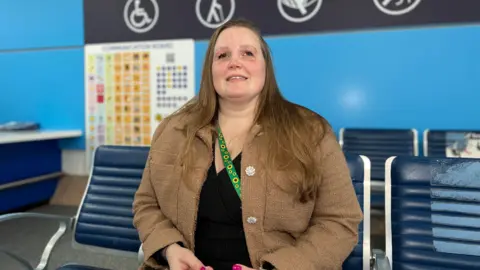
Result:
[
  {"x": 104, "y": 222},
  {"x": 449, "y": 143},
  {"x": 378, "y": 145},
  {"x": 359, "y": 167},
  {"x": 432, "y": 213}
]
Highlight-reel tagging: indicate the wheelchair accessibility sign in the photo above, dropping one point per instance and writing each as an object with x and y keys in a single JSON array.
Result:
[{"x": 141, "y": 15}]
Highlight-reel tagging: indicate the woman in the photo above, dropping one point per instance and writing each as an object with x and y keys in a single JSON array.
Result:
[{"x": 240, "y": 178}]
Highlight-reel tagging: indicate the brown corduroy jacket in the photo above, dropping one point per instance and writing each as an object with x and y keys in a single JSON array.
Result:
[{"x": 319, "y": 234}]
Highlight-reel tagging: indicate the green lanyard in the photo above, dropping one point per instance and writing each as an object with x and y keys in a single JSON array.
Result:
[{"x": 227, "y": 162}]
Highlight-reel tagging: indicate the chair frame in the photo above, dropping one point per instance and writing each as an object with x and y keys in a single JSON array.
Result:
[
  {"x": 388, "y": 209},
  {"x": 383, "y": 260},
  {"x": 425, "y": 142},
  {"x": 65, "y": 223},
  {"x": 367, "y": 254}
]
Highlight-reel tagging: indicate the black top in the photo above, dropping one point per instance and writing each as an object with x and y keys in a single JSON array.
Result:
[{"x": 219, "y": 238}]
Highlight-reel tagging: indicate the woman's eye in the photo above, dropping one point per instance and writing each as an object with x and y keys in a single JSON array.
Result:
[
  {"x": 222, "y": 55},
  {"x": 248, "y": 53}
]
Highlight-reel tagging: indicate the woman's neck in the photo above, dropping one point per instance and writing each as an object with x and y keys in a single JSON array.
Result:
[{"x": 236, "y": 116}]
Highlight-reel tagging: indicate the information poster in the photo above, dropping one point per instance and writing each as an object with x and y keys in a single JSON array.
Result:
[
  {"x": 132, "y": 86},
  {"x": 463, "y": 145}
]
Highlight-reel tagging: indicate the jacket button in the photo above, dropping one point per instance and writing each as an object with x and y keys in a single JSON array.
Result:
[{"x": 251, "y": 220}]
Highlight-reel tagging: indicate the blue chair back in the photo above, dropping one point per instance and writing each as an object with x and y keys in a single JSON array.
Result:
[
  {"x": 451, "y": 143},
  {"x": 359, "y": 167},
  {"x": 432, "y": 213},
  {"x": 378, "y": 145},
  {"x": 105, "y": 218}
]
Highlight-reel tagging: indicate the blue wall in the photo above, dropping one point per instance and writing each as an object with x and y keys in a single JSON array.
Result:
[
  {"x": 422, "y": 78},
  {"x": 41, "y": 56},
  {"x": 415, "y": 78}
]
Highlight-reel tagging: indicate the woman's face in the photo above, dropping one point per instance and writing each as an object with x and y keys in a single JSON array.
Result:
[{"x": 238, "y": 67}]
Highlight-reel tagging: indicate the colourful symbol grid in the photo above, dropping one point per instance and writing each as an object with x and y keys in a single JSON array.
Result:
[{"x": 119, "y": 99}]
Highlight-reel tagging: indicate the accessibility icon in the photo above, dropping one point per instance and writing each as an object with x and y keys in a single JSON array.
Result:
[
  {"x": 298, "y": 11},
  {"x": 218, "y": 13},
  {"x": 141, "y": 16},
  {"x": 396, "y": 7}
]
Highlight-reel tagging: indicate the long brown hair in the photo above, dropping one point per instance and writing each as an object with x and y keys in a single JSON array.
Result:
[{"x": 292, "y": 130}]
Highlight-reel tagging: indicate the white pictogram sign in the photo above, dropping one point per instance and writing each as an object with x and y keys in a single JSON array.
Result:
[
  {"x": 137, "y": 18},
  {"x": 216, "y": 13},
  {"x": 396, "y": 7},
  {"x": 301, "y": 6}
]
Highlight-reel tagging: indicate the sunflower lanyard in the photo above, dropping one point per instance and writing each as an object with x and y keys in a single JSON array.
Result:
[{"x": 227, "y": 162}]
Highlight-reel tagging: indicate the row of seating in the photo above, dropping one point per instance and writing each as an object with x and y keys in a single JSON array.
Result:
[
  {"x": 432, "y": 211},
  {"x": 380, "y": 144}
]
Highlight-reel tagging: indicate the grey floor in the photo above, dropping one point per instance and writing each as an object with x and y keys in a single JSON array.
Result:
[{"x": 28, "y": 237}]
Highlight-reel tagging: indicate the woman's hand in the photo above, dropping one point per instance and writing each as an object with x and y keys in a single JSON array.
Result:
[
  {"x": 180, "y": 258},
  {"x": 241, "y": 267}
]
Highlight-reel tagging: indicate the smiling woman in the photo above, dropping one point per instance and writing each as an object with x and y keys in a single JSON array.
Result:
[
  {"x": 238, "y": 65},
  {"x": 241, "y": 178}
]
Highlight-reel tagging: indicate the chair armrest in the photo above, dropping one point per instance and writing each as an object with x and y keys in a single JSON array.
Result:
[
  {"x": 380, "y": 260},
  {"x": 140, "y": 254},
  {"x": 64, "y": 223}
]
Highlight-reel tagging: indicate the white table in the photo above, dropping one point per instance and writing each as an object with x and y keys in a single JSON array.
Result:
[{"x": 29, "y": 136}]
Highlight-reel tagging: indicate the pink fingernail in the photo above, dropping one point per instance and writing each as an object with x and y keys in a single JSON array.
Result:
[
  {"x": 203, "y": 268},
  {"x": 236, "y": 267}
]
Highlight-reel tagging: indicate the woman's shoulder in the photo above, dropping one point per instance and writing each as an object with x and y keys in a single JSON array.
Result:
[
  {"x": 314, "y": 120},
  {"x": 169, "y": 128}
]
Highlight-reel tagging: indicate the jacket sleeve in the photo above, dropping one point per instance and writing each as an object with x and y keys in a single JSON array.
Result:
[
  {"x": 155, "y": 230},
  {"x": 333, "y": 230}
]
